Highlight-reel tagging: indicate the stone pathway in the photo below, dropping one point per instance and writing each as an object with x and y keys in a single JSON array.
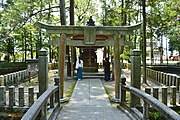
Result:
[{"x": 89, "y": 101}]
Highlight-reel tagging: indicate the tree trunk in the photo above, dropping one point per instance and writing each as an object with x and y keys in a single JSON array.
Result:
[
  {"x": 144, "y": 40},
  {"x": 25, "y": 42},
  {"x": 31, "y": 45},
  {"x": 151, "y": 45},
  {"x": 73, "y": 49}
]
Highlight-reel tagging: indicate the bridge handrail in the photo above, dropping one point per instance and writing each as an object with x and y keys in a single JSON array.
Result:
[
  {"x": 34, "y": 110},
  {"x": 162, "y": 108}
]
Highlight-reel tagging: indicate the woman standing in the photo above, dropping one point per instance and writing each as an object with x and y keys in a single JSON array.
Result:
[{"x": 79, "y": 67}]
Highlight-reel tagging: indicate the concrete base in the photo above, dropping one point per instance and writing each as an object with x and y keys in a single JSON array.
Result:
[
  {"x": 115, "y": 100},
  {"x": 63, "y": 100}
]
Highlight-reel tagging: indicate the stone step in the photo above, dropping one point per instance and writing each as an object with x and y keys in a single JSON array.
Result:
[{"x": 91, "y": 77}]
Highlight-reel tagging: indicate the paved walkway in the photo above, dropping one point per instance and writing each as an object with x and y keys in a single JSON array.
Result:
[{"x": 90, "y": 102}]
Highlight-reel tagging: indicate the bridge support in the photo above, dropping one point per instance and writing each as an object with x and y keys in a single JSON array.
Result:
[
  {"x": 61, "y": 66},
  {"x": 135, "y": 76},
  {"x": 117, "y": 69}
]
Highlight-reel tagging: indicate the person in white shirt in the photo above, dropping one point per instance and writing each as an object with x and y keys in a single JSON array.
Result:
[{"x": 79, "y": 67}]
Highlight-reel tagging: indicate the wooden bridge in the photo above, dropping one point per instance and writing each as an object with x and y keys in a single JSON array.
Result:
[{"x": 89, "y": 99}]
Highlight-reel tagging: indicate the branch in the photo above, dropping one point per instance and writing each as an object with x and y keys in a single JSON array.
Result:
[
  {"x": 84, "y": 11},
  {"x": 25, "y": 20}
]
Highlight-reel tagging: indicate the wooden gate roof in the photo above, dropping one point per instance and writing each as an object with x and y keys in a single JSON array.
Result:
[{"x": 90, "y": 35}]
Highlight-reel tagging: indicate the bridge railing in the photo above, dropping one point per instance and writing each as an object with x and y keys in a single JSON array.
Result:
[
  {"x": 36, "y": 110},
  {"x": 163, "y": 78},
  {"x": 147, "y": 101},
  {"x": 16, "y": 100},
  {"x": 167, "y": 79},
  {"x": 17, "y": 78}
]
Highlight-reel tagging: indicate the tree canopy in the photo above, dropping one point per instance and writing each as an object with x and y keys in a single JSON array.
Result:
[{"x": 20, "y": 38}]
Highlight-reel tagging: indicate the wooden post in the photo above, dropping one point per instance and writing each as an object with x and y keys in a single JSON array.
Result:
[
  {"x": 170, "y": 79},
  {"x": 62, "y": 51},
  {"x": 5, "y": 80},
  {"x": 117, "y": 69},
  {"x": 1, "y": 80},
  {"x": 177, "y": 82},
  {"x": 57, "y": 97},
  {"x": 135, "y": 76},
  {"x": 167, "y": 79},
  {"x": 155, "y": 92},
  {"x": 2, "y": 96},
  {"x": 146, "y": 106},
  {"x": 12, "y": 80},
  {"x": 174, "y": 80},
  {"x": 164, "y": 78},
  {"x": 156, "y": 73},
  {"x": 21, "y": 96},
  {"x": 161, "y": 77},
  {"x": 52, "y": 100},
  {"x": 43, "y": 71},
  {"x": 164, "y": 95},
  {"x": 173, "y": 95},
  {"x": 122, "y": 92},
  {"x": 11, "y": 96},
  {"x": 31, "y": 95},
  {"x": 43, "y": 78}
]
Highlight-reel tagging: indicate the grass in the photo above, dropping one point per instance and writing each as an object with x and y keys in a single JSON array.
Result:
[{"x": 70, "y": 90}]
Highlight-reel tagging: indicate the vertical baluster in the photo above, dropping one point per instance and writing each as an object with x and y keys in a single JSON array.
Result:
[
  {"x": 167, "y": 79},
  {"x": 2, "y": 96},
  {"x": 164, "y": 79},
  {"x": 1, "y": 80},
  {"x": 164, "y": 95},
  {"x": 174, "y": 80},
  {"x": 52, "y": 100},
  {"x": 20, "y": 75},
  {"x": 177, "y": 82},
  {"x": 146, "y": 105},
  {"x": 11, "y": 96},
  {"x": 14, "y": 77},
  {"x": 158, "y": 76},
  {"x": 5, "y": 80},
  {"x": 21, "y": 96},
  {"x": 57, "y": 97},
  {"x": 122, "y": 92},
  {"x": 17, "y": 82},
  {"x": 170, "y": 79},
  {"x": 31, "y": 95},
  {"x": 173, "y": 95},
  {"x": 155, "y": 92}
]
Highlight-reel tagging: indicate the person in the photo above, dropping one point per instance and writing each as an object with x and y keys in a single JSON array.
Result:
[
  {"x": 79, "y": 67},
  {"x": 106, "y": 69}
]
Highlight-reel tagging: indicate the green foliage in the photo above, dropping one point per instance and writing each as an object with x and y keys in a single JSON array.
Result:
[
  {"x": 124, "y": 57},
  {"x": 156, "y": 116},
  {"x": 163, "y": 20},
  {"x": 19, "y": 33},
  {"x": 13, "y": 65}
]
